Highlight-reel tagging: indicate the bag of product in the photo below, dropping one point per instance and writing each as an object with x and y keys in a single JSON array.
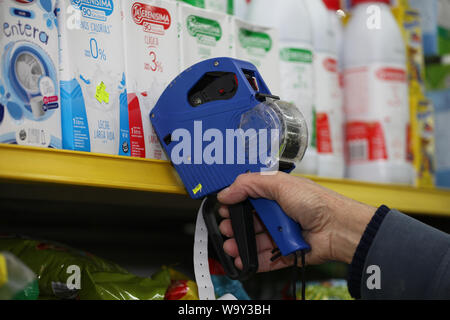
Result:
[
  {"x": 17, "y": 281},
  {"x": 67, "y": 273},
  {"x": 327, "y": 290}
]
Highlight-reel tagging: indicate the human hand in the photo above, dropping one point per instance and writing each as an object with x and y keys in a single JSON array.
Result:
[{"x": 332, "y": 224}]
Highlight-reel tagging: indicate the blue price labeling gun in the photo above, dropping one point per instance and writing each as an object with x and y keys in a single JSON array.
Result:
[{"x": 218, "y": 120}]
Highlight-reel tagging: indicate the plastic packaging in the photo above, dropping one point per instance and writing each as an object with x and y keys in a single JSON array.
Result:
[
  {"x": 421, "y": 141},
  {"x": 66, "y": 273},
  {"x": 327, "y": 93},
  {"x": 327, "y": 290},
  {"x": 223, "y": 285},
  {"x": 436, "y": 25},
  {"x": 376, "y": 95},
  {"x": 292, "y": 20},
  {"x": 438, "y": 90},
  {"x": 17, "y": 281}
]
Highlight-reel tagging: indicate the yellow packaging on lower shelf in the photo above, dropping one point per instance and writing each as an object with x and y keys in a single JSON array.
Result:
[{"x": 3, "y": 271}]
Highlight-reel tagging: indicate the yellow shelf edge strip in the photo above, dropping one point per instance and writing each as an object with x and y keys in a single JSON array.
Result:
[
  {"x": 28, "y": 164},
  {"x": 87, "y": 169}
]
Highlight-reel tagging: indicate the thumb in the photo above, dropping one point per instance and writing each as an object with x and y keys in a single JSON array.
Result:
[{"x": 254, "y": 185}]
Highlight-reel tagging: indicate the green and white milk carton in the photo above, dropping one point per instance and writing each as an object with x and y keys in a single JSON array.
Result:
[
  {"x": 258, "y": 45},
  {"x": 204, "y": 34},
  {"x": 225, "y": 6}
]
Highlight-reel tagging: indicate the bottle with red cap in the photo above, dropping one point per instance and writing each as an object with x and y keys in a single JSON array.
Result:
[
  {"x": 334, "y": 11},
  {"x": 327, "y": 93},
  {"x": 375, "y": 95}
]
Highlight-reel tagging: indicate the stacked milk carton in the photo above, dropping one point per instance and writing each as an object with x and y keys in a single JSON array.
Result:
[
  {"x": 152, "y": 61},
  {"x": 86, "y": 58},
  {"x": 224, "y": 6},
  {"x": 92, "y": 70},
  {"x": 258, "y": 45},
  {"x": 29, "y": 88},
  {"x": 204, "y": 34}
]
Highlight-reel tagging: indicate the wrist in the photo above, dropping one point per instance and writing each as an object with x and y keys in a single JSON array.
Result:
[
  {"x": 356, "y": 268},
  {"x": 351, "y": 220}
]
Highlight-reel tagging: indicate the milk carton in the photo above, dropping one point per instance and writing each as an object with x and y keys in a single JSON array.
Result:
[
  {"x": 92, "y": 71},
  {"x": 258, "y": 45},
  {"x": 204, "y": 34},
  {"x": 225, "y": 6},
  {"x": 29, "y": 85},
  {"x": 152, "y": 61}
]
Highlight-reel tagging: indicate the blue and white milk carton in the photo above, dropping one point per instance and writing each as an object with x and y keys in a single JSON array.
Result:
[
  {"x": 29, "y": 85},
  {"x": 92, "y": 72}
]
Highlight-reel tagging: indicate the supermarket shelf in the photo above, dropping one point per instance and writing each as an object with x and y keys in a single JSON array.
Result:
[{"x": 20, "y": 164}]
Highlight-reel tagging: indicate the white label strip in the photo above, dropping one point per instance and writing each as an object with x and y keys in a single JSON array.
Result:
[{"x": 201, "y": 264}]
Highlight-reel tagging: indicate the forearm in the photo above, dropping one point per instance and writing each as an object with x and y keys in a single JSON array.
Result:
[{"x": 413, "y": 260}]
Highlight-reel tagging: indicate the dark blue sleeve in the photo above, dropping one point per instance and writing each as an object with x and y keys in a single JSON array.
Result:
[{"x": 411, "y": 259}]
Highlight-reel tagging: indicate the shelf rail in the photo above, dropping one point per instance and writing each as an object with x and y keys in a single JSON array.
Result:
[{"x": 39, "y": 165}]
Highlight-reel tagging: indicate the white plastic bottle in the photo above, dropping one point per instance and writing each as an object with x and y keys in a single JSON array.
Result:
[
  {"x": 376, "y": 95},
  {"x": 337, "y": 26},
  {"x": 291, "y": 19},
  {"x": 240, "y": 8},
  {"x": 328, "y": 94}
]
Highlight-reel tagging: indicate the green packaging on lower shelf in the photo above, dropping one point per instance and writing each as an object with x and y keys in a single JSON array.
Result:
[
  {"x": 67, "y": 273},
  {"x": 326, "y": 290},
  {"x": 17, "y": 281}
]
